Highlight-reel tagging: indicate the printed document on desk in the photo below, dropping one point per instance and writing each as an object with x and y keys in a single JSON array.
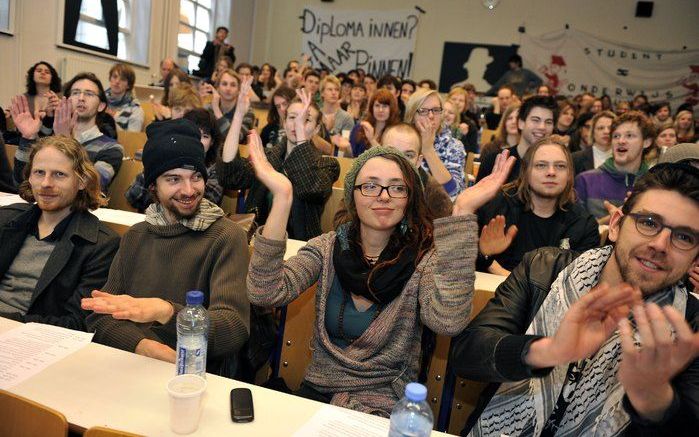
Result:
[
  {"x": 30, "y": 348},
  {"x": 333, "y": 421}
]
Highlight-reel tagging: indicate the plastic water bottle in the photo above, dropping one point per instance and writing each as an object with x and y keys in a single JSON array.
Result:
[
  {"x": 192, "y": 332},
  {"x": 412, "y": 416}
]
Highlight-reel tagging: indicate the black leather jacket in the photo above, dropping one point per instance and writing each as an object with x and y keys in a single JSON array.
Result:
[{"x": 492, "y": 347}]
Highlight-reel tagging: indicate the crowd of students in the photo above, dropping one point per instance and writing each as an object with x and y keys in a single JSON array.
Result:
[{"x": 575, "y": 341}]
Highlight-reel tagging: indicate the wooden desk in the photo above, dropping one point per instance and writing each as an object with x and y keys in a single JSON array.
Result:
[{"x": 99, "y": 385}]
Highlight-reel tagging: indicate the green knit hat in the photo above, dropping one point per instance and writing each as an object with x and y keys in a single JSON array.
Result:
[{"x": 359, "y": 162}]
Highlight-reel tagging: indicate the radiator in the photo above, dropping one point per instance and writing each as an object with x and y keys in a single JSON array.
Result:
[{"x": 72, "y": 65}]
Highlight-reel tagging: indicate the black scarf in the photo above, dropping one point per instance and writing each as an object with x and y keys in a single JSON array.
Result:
[{"x": 353, "y": 270}]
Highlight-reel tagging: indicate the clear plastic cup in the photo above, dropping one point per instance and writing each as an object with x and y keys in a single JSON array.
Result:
[{"x": 186, "y": 395}]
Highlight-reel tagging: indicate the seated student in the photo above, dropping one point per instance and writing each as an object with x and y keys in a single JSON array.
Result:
[
  {"x": 601, "y": 146},
  {"x": 76, "y": 117},
  {"x": 43, "y": 90},
  {"x": 336, "y": 121},
  {"x": 535, "y": 121},
  {"x": 631, "y": 134},
  {"x": 539, "y": 209},
  {"x": 274, "y": 129},
  {"x": 122, "y": 105},
  {"x": 381, "y": 277},
  {"x": 311, "y": 173},
  {"x": 54, "y": 252},
  {"x": 166, "y": 66},
  {"x": 172, "y": 81},
  {"x": 139, "y": 195},
  {"x": 184, "y": 244},
  {"x": 224, "y": 63},
  {"x": 382, "y": 113},
  {"x": 269, "y": 81},
  {"x": 505, "y": 97},
  {"x": 556, "y": 342},
  {"x": 357, "y": 104},
  {"x": 405, "y": 138},
  {"x": 223, "y": 100},
  {"x": 245, "y": 71},
  {"x": 459, "y": 130},
  {"x": 684, "y": 126},
  {"x": 565, "y": 123},
  {"x": 369, "y": 83},
  {"x": 393, "y": 84},
  {"x": 439, "y": 148},
  {"x": 407, "y": 88},
  {"x": 506, "y": 135},
  {"x": 581, "y": 138},
  {"x": 311, "y": 83},
  {"x": 467, "y": 126}
]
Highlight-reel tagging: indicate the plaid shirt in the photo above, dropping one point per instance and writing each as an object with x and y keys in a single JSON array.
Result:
[{"x": 311, "y": 174}]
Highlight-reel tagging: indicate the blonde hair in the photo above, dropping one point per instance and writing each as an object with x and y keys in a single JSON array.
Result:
[
  {"x": 185, "y": 96},
  {"x": 88, "y": 198},
  {"x": 416, "y": 100},
  {"x": 330, "y": 79},
  {"x": 690, "y": 131}
]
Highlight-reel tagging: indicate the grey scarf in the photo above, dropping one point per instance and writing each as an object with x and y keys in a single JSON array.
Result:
[
  {"x": 595, "y": 403},
  {"x": 208, "y": 213}
]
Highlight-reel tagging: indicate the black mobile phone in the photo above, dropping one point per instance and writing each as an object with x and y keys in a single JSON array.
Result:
[{"x": 241, "y": 405}]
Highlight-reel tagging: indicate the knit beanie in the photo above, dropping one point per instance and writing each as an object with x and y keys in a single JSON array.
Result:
[
  {"x": 359, "y": 162},
  {"x": 172, "y": 144},
  {"x": 680, "y": 152}
]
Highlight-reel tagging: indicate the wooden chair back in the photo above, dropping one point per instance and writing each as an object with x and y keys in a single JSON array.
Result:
[
  {"x": 331, "y": 207},
  {"x": 467, "y": 392},
  {"x": 345, "y": 165},
  {"x": 100, "y": 431},
  {"x": 10, "y": 151},
  {"x": 21, "y": 417},
  {"x": 148, "y": 113},
  {"x": 297, "y": 336},
  {"x": 132, "y": 142},
  {"x": 122, "y": 181},
  {"x": 487, "y": 136}
]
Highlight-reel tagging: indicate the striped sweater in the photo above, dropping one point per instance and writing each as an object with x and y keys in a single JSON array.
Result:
[{"x": 370, "y": 375}]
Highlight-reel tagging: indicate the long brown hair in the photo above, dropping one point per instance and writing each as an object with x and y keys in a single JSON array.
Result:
[
  {"x": 419, "y": 234},
  {"x": 86, "y": 199},
  {"x": 521, "y": 184},
  {"x": 385, "y": 97}
]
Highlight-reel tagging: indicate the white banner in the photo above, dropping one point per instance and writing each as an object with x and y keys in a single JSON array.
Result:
[
  {"x": 380, "y": 42},
  {"x": 573, "y": 62}
]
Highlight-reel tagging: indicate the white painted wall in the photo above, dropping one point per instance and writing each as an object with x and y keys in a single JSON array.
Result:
[{"x": 673, "y": 25}]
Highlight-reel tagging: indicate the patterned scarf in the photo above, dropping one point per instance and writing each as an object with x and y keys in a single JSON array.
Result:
[
  {"x": 206, "y": 216},
  {"x": 595, "y": 402},
  {"x": 115, "y": 102}
]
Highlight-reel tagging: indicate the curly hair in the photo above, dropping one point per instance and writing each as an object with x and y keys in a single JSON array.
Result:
[
  {"x": 55, "y": 84},
  {"x": 88, "y": 198}
]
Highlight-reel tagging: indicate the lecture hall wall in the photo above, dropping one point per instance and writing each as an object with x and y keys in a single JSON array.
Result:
[{"x": 269, "y": 30}]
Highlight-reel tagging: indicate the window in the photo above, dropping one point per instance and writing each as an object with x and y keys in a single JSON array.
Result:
[
  {"x": 6, "y": 12},
  {"x": 194, "y": 30},
  {"x": 94, "y": 20}
]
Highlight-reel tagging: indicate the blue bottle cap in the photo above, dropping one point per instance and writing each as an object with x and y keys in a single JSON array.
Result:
[
  {"x": 416, "y": 392},
  {"x": 195, "y": 297}
]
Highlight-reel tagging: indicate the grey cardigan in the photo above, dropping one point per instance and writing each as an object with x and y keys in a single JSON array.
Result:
[{"x": 370, "y": 375}]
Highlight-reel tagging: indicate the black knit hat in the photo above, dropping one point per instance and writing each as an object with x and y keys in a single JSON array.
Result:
[{"x": 172, "y": 144}]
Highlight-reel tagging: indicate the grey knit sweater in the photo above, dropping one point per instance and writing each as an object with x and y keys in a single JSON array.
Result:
[
  {"x": 168, "y": 261},
  {"x": 370, "y": 375}
]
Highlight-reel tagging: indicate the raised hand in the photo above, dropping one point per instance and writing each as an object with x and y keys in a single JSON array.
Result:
[
  {"x": 494, "y": 240},
  {"x": 53, "y": 103},
  {"x": 694, "y": 277},
  {"x": 463, "y": 128},
  {"x": 243, "y": 104},
  {"x": 587, "y": 324},
  {"x": 65, "y": 118},
  {"x": 478, "y": 195},
  {"x": 27, "y": 124},
  {"x": 125, "y": 307},
  {"x": 646, "y": 370},
  {"x": 428, "y": 132},
  {"x": 276, "y": 183},
  {"x": 300, "y": 121}
]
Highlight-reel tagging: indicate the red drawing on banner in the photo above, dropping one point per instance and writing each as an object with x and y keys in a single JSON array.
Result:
[
  {"x": 551, "y": 71},
  {"x": 691, "y": 83}
]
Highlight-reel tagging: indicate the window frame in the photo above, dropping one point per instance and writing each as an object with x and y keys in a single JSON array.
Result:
[
  {"x": 12, "y": 13},
  {"x": 183, "y": 53}
]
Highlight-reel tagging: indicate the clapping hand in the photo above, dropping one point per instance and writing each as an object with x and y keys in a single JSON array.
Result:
[
  {"x": 646, "y": 370},
  {"x": 65, "y": 118},
  {"x": 494, "y": 240},
  {"x": 478, "y": 195},
  {"x": 53, "y": 103},
  {"x": 428, "y": 132},
  {"x": 27, "y": 124},
  {"x": 463, "y": 128},
  {"x": 276, "y": 182}
]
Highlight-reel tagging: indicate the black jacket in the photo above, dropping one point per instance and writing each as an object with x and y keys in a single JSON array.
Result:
[
  {"x": 491, "y": 348},
  {"x": 583, "y": 160},
  {"x": 574, "y": 224},
  {"x": 211, "y": 53},
  {"x": 78, "y": 264}
]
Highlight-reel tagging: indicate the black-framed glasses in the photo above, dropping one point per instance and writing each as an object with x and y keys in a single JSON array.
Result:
[
  {"x": 426, "y": 111},
  {"x": 370, "y": 189},
  {"x": 651, "y": 225}
]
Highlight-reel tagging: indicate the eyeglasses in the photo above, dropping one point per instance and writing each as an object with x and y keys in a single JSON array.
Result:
[
  {"x": 426, "y": 111},
  {"x": 86, "y": 93},
  {"x": 651, "y": 225},
  {"x": 370, "y": 189}
]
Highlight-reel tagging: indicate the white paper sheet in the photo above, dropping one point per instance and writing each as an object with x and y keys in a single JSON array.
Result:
[
  {"x": 30, "y": 348},
  {"x": 332, "y": 421}
]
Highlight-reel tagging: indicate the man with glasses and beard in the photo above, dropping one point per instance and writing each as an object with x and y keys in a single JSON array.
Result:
[{"x": 184, "y": 244}]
